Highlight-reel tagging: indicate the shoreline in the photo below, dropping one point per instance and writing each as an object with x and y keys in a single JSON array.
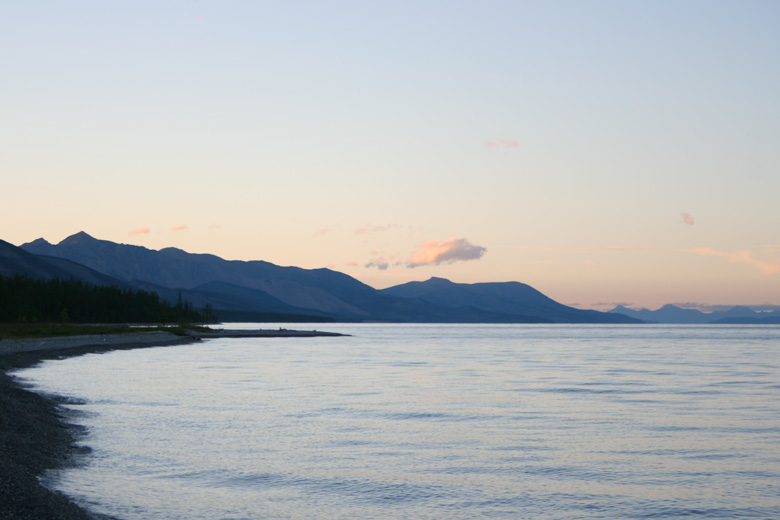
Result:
[{"x": 35, "y": 435}]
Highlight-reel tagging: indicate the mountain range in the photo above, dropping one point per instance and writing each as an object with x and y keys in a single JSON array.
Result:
[
  {"x": 674, "y": 314},
  {"x": 262, "y": 291}
]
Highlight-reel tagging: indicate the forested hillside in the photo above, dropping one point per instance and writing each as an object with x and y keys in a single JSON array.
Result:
[{"x": 29, "y": 300}]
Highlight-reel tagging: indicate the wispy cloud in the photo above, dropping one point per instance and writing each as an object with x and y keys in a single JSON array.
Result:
[
  {"x": 139, "y": 231},
  {"x": 435, "y": 252},
  {"x": 179, "y": 228},
  {"x": 585, "y": 249},
  {"x": 500, "y": 143},
  {"x": 368, "y": 228},
  {"x": 320, "y": 232},
  {"x": 380, "y": 263},
  {"x": 708, "y": 307},
  {"x": 687, "y": 218},
  {"x": 740, "y": 257},
  {"x": 215, "y": 226},
  {"x": 703, "y": 307},
  {"x": 602, "y": 306},
  {"x": 352, "y": 264}
]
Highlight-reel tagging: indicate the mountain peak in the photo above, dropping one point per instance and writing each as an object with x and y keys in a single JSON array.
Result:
[
  {"x": 38, "y": 242},
  {"x": 438, "y": 282},
  {"x": 78, "y": 238},
  {"x": 741, "y": 311}
]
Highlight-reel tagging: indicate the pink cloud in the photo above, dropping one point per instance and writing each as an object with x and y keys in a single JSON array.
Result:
[
  {"x": 179, "y": 228},
  {"x": 214, "y": 226},
  {"x": 362, "y": 230},
  {"x": 435, "y": 252},
  {"x": 501, "y": 144},
  {"x": 740, "y": 257},
  {"x": 687, "y": 218},
  {"x": 352, "y": 264},
  {"x": 139, "y": 231},
  {"x": 320, "y": 232}
]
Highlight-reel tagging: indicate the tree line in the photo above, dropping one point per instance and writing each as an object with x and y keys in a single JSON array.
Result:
[{"x": 25, "y": 299}]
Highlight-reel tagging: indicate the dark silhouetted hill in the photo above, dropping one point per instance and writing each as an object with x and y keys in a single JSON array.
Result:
[
  {"x": 15, "y": 261},
  {"x": 322, "y": 291},
  {"x": 263, "y": 288},
  {"x": 520, "y": 301},
  {"x": 249, "y": 287}
]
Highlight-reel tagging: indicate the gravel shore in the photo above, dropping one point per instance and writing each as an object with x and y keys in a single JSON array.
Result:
[{"x": 34, "y": 435}]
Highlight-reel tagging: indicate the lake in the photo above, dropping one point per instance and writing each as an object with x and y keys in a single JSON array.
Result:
[{"x": 431, "y": 422}]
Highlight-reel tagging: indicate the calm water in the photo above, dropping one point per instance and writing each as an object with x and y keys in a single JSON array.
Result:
[{"x": 424, "y": 422}]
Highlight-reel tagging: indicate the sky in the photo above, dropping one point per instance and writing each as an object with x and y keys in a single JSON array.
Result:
[{"x": 603, "y": 152}]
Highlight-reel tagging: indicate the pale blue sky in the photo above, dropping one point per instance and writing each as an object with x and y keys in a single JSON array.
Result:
[{"x": 566, "y": 138}]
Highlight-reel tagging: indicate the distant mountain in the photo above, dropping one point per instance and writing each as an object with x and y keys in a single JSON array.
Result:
[
  {"x": 248, "y": 304},
  {"x": 240, "y": 288},
  {"x": 673, "y": 314},
  {"x": 259, "y": 290},
  {"x": 323, "y": 291},
  {"x": 249, "y": 287},
  {"x": 520, "y": 301},
  {"x": 666, "y": 314},
  {"x": 16, "y": 261}
]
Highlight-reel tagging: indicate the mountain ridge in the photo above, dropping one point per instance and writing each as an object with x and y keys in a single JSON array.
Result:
[
  {"x": 515, "y": 298},
  {"x": 175, "y": 268},
  {"x": 261, "y": 286},
  {"x": 673, "y": 314},
  {"x": 16, "y": 261}
]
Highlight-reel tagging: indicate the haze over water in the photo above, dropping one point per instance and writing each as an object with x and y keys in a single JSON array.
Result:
[{"x": 432, "y": 421}]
